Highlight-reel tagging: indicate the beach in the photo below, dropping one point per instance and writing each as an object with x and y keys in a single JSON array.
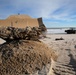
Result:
[
  {"x": 28, "y": 47},
  {"x": 64, "y": 46},
  {"x": 65, "y": 49}
]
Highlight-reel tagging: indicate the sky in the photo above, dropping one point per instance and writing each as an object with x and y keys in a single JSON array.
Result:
[{"x": 55, "y": 13}]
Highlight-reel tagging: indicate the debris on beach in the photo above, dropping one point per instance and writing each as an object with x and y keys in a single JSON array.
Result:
[
  {"x": 59, "y": 39},
  {"x": 75, "y": 46}
]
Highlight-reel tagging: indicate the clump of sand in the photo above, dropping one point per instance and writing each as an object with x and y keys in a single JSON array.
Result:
[
  {"x": 24, "y": 57},
  {"x": 23, "y": 53}
]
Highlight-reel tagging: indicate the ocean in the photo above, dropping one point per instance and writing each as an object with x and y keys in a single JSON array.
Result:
[{"x": 56, "y": 31}]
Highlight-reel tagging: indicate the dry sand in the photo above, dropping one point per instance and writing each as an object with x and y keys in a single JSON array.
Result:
[
  {"x": 19, "y": 21},
  {"x": 66, "y": 51},
  {"x": 25, "y": 57}
]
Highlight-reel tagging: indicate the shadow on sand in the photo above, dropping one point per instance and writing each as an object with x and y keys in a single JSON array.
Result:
[{"x": 72, "y": 62}]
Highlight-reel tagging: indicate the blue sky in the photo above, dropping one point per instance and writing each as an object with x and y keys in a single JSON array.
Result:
[{"x": 55, "y": 13}]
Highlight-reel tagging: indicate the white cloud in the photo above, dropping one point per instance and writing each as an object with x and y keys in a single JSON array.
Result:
[{"x": 40, "y": 8}]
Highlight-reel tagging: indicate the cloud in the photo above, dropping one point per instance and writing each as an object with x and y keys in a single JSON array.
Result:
[
  {"x": 48, "y": 9},
  {"x": 37, "y": 8},
  {"x": 67, "y": 12}
]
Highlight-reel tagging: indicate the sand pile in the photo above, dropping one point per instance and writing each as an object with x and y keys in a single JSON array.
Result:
[
  {"x": 21, "y": 21},
  {"x": 24, "y": 57}
]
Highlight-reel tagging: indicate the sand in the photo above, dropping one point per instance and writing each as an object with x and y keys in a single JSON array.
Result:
[
  {"x": 66, "y": 51},
  {"x": 19, "y": 21},
  {"x": 25, "y": 57}
]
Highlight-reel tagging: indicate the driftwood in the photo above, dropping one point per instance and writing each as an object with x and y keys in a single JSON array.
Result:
[{"x": 59, "y": 39}]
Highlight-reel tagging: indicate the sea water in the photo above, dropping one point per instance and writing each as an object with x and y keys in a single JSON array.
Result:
[{"x": 56, "y": 31}]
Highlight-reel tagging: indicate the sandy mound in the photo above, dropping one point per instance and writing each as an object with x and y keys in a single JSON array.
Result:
[
  {"x": 24, "y": 57},
  {"x": 23, "y": 53},
  {"x": 21, "y": 21}
]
